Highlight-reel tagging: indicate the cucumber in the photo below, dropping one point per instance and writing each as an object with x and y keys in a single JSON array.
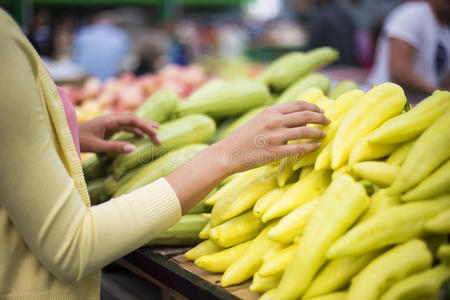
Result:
[
  {"x": 112, "y": 185},
  {"x": 173, "y": 134},
  {"x": 239, "y": 122},
  {"x": 183, "y": 233},
  {"x": 292, "y": 93},
  {"x": 223, "y": 126},
  {"x": 160, "y": 167},
  {"x": 291, "y": 66},
  {"x": 94, "y": 167},
  {"x": 281, "y": 68},
  {"x": 343, "y": 87},
  {"x": 96, "y": 191},
  {"x": 157, "y": 108},
  {"x": 200, "y": 208},
  {"x": 227, "y": 99}
]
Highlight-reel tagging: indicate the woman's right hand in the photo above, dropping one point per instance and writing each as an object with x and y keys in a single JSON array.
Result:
[
  {"x": 264, "y": 138},
  {"x": 260, "y": 141}
]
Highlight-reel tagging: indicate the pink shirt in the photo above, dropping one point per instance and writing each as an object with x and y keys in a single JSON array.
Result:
[{"x": 71, "y": 117}]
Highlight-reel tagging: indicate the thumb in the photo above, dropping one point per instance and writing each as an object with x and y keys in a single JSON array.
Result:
[{"x": 115, "y": 147}]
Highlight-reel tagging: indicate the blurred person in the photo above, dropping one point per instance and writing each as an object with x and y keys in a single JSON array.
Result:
[
  {"x": 414, "y": 48},
  {"x": 54, "y": 241},
  {"x": 101, "y": 47},
  {"x": 40, "y": 33},
  {"x": 177, "y": 48},
  {"x": 332, "y": 25},
  {"x": 150, "y": 46},
  {"x": 63, "y": 38}
]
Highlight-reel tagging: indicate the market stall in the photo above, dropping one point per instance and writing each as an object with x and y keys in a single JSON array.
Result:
[
  {"x": 363, "y": 215},
  {"x": 307, "y": 224}
]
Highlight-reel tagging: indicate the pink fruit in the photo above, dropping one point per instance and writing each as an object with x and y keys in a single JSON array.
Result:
[
  {"x": 130, "y": 97},
  {"x": 91, "y": 88}
]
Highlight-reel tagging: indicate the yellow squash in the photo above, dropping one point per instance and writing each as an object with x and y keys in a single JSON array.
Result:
[{"x": 379, "y": 104}]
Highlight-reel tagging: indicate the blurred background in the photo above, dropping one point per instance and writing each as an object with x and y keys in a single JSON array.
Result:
[{"x": 125, "y": 49}]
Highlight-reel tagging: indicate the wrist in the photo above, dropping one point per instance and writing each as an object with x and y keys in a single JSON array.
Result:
[{"x": 219, "y": 160}]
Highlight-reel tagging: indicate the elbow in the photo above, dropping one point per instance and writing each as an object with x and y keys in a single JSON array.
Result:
[
  {"x": 71, "y": 272},
  {"x": 66, "y": 274},
  {"x": 70, "y": 259},
  {"x": 69, "y": 277}
]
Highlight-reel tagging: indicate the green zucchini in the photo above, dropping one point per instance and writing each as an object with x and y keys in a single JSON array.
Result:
[
  {"x": 239, "y": 122},
  {"x": 343, "y": 87},
  {"x": 160, "y": 167},
  {"x": 173, "y": 134},
  {"x": 292, "y": 93},
  {"x": 112, "y": 185},
  {"x": 94, "y": 167},
  {"x": 96, "y": 191},
  {"x": 200, "y": 208},
  {"x": 183, "y": 233},
  {"x": 157, "y": 108},
  {"x": 227, "y": 98},
  {"x": 222, "y": 127},
  {"x": 291, "y": 66}
]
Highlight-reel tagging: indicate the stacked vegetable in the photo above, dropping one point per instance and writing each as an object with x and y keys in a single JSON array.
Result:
[
  {"x": 188, "y": 126},
  {"x": 362, "y": 217}
]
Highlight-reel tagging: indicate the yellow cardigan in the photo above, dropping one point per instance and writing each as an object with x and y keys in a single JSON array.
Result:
[{"x": 52, "y": 243}]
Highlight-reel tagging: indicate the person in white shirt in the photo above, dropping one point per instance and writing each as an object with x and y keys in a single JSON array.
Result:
[{"x": 414, "y": 48}]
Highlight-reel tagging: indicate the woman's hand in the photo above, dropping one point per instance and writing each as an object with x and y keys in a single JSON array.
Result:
[
  {"x": 264, "y": 139},
  {"x": 94, "y": 134},
  {"x": 260, "y": 141}
]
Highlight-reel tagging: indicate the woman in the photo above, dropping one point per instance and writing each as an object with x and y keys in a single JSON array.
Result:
[{"x": 53, "y": 243}]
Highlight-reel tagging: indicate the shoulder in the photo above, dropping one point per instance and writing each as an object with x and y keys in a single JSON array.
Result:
[
  {"x": 8, "y": 26},
  {"x": 19, "y": 66},
  {"x": 406, "y": 22},
  {"x": 408, "y": 12}
]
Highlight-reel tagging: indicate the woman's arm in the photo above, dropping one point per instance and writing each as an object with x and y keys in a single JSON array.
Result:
[{"x": 401, "y": 67}]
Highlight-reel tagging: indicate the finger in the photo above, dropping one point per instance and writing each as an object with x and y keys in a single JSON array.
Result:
[
  {"x": 300, "y": 133},
  {"x": 154, "y": 124},
  {"x": 295, "y": 106},
  {"x": 136, "y": 131},
  {"x": 304, "y": 117},
  {"x": 113, "y": 147},
  {"x": 127, "y": 120},
  {"x": 300, "y": 148},
  {"x": 154, "y": 136}
]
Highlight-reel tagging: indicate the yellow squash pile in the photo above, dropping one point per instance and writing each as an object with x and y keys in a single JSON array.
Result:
[{"x": 359, "y": 218}]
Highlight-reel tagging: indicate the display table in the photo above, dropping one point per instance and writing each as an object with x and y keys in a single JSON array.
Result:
[{"x": 179, "y": 278}]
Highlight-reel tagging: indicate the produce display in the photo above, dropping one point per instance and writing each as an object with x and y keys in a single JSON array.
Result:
[
  {"x": 362, "y": 217},
  {"x": 187, "y": 126},
  {"x": 365, "y": 216}
]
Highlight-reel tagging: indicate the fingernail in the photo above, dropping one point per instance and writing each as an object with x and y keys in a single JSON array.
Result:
[
  {"x": 128, "y": 148},
  {"x": 321, "y": 109}
]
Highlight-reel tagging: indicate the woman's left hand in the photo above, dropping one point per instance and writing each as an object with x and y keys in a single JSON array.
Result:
[{"x": 94, "y": 134}]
